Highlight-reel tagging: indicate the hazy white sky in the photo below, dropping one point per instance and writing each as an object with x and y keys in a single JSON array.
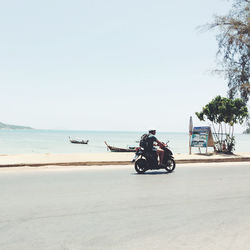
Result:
[{"x": 107, "y": 65}]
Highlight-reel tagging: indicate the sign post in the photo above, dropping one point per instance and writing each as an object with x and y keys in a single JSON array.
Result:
[{"x": 190, "y": 132}]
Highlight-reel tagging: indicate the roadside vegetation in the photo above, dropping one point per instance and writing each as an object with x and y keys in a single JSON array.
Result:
[
  {"x": 224, "y": 113},
  {"x": 233, "y": 60},
  {"x": 234, "y": 48}
]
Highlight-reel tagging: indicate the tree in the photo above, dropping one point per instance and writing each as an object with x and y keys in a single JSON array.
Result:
[
  {"x": 234, "y": 47},
  {"x": 224, "y": 113}
]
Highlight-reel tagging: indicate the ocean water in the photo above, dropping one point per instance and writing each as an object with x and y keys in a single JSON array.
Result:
[{"x": 57, "y": 141}]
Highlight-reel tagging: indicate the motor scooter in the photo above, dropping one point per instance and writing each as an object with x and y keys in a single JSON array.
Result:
[{"x": 148, "y": 160}]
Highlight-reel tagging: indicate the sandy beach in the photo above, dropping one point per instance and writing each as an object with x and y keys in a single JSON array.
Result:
[{"x": 107, "y": 159}]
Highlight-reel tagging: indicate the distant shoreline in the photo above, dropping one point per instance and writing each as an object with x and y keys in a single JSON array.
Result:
[
  {"x": 17, "y": 128},
  {"x": 9, "y": 126}
]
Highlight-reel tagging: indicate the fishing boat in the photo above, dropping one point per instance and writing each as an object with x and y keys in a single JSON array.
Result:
[
  {"x": 78, "y": 141},
  {"x": 116, "y": 149}
]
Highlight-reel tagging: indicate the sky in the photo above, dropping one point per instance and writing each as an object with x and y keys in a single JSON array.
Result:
[{"x": 107, "y": 65}]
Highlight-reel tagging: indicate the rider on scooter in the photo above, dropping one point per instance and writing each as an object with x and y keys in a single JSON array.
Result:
[{"x": 151, "y": 139}]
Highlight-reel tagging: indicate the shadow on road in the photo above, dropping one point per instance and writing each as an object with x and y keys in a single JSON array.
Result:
[{"x": 152, "y": 173}]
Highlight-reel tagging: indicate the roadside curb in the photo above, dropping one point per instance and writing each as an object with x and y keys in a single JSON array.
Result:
[
  {"x": 240, "y": 159},
  {"x": 105, "y": 163}
]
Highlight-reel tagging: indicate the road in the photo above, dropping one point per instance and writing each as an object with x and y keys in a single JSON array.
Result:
[{"x": 199, "y": 206}]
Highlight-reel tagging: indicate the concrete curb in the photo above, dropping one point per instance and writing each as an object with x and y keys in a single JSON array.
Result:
[
  {"x": 86, "y": 163},
  {"x": 105, "y": 163},
  {"x": 240, "y": 159}
]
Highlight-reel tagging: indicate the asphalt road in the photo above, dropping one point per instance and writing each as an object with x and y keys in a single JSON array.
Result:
[{"x": 201, "y": 206}]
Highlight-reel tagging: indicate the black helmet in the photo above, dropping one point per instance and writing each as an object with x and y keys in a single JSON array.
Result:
[{"x": 151, "y": 130}]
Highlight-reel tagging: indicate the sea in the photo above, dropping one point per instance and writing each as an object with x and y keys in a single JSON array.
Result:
[{"x": 22, "y": 141}]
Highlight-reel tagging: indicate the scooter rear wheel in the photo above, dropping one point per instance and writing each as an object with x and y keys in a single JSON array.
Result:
[
  {"x": 140, "y": 166},
  {"x": 170, "y": 165}
]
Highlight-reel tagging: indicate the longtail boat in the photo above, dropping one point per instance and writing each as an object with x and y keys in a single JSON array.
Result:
[
  {"x": 115, "y": 149},
  {"x": 78, "y": 141}
]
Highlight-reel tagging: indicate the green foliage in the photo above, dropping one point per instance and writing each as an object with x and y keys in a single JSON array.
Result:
[{"x": 222, "y": 110}]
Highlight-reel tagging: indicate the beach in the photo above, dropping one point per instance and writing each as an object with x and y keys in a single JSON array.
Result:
[
  {"x": 91, "y": 159},
  {"x": 52, "y": 147}
]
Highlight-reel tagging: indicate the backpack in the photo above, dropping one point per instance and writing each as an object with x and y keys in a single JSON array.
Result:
[{"x": 144, "y": 141}]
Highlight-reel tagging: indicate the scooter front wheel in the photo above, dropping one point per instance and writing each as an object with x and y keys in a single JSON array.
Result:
[
  {"x": 170, "y": 165},
  {"x": 140, "y": 166}
]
